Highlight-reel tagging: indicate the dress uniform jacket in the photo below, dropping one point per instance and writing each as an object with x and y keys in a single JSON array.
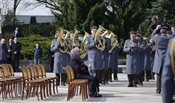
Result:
[
  {"x": 105, "y": 53},
  {"x": 113, "y": 58},
  {"x": 141, "y": 47},
  {"x": 159, "y": 58},
  {"x": 60, "y": 59},
  {"x": 132, "y": 58},
  {"x": 94, "y": 55},
  {"x": 168, "y": 81},
  {"x": 148, "y": 57}
]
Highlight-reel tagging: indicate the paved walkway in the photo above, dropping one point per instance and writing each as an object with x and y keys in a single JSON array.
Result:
[{"x": 117, "y": 92}]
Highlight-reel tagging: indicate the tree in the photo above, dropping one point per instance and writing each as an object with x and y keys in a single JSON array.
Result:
[
  {"x": 15, "y": 5},
  {"x": 79, "y": 14},
  {"x": 126, "y": 15},
  {"x": 120, "y": 16},
  {"x": 163, "y": 8}
]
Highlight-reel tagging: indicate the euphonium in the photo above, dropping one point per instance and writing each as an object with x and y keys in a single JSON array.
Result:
[
  {"x": 114, "y": 41},
  {"x": 99, "y": 37},
  {"x": 62, "y": 40},
  {"x": 83, "y": 49}
]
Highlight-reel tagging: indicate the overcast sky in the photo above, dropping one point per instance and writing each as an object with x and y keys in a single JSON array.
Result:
[
  {"x": 32, "y": 9},
  {"x": 25, "y": 8}
]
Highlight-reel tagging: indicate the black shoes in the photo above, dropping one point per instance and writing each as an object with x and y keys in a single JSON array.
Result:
[
  {"x": 95, "y": 95},
  {"x": 132, "y": 85},
  {"x": 158, "y": 91}
]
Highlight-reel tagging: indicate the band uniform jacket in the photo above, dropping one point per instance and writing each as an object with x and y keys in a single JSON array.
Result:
[
  {"x": 168, "y": 79},
  {"x": 132, "y": 58}
]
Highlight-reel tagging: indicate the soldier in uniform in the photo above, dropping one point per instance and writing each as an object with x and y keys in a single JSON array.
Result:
[
  {"x": 94, "y": 55},
  {"x": 168, "y": 74},
  {"x": 105, "y": 59},
  {"x": 60, "y": 61},
  {"x": 161, "y": 44},
  {"x": 113, "y": 61},
  {"x": 132, "y": 51},
  {"x": 148, "y": 59},
  {"x": 141, "y": 67}
]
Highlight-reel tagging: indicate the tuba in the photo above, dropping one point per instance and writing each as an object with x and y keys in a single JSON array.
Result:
[
  {"x": 62, "y": 40},
  {"x": 99, "y": 37},
  {"x": 114, "y": 41},
  {"x": 83, "y": 49}
]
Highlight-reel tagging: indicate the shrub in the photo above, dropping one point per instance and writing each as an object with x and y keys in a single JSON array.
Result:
[{"x": 28, "y": 45}]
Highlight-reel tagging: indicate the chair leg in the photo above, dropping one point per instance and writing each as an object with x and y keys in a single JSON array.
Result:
[
  {"x": 36, "y": 92},
  {"x": 23, "y": 88},
  {"x": 41, "y": 90},
  {"x": 44, "y": 88}
]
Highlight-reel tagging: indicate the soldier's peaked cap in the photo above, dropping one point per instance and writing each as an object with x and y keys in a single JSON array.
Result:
[{"x": 93, "y": 27}]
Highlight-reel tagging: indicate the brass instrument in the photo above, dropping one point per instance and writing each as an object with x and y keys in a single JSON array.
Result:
[
  {"x": 114, "y": 41},
  {"x": 74, "y": 36},
  {"x": 83, "y": 49},
  {"x": 99, "y": 37},
  {"x": 62, "y": 40}
]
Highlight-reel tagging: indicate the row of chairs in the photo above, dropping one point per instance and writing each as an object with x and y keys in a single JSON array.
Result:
[
  {"x": 76, "y": 86},
  {"x": 36, "y": 83},
  {"x": 9, "y": 84}
]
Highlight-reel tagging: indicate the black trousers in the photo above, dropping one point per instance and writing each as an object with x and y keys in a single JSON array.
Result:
[
  {"x": 92, "y": 81},
  {"x": 62, "y": 77},
  {"x": 115, "y": 74},
  {"x": 2, "y": 61},
  {"x": 148, "y": 74},
  {"x": 133, "y": 79},
  {"x": 158, "y": 81}
]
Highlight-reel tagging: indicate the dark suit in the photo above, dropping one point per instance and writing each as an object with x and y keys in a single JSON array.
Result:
[
  {"x": 51, "y": 59},
  {"x": 9, "y": 54},
  {"x": 81, "y": 72},
  {"x": 3, "y": 53},
  {"x": 15, "y": 34},
  {"x": 16, "y": 48}
]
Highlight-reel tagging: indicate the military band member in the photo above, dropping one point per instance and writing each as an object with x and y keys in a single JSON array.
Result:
[
  {"x": 113, "y": 61},
  {"x": 94, "y": 55},
  {"x": 132, "y": 51},
  {"x": 168, "y": 81},
  {"x": 140, "y": 43},
  {"x": 105, "y": 59},
  {"x": 161, "y": 44},
  {"x": 148, "y": 58},
  {"x": 60, "y": 61}
]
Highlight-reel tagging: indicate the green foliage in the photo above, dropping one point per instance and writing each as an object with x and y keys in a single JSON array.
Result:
[
  {"x": 163, "y": 8},
  {"x": 41, "y": 29},
  {"x": 28, "y": 45},
  {"x": 159, "y": 9}
]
